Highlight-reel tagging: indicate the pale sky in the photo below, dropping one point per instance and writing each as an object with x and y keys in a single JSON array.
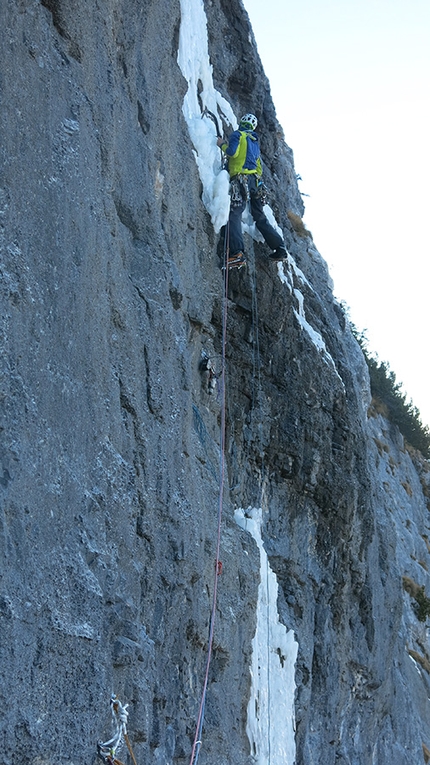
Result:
[{"x": 351, "y": 85}]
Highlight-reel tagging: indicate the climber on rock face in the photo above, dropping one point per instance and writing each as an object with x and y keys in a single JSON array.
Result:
[{"x": 244, "y": 166}]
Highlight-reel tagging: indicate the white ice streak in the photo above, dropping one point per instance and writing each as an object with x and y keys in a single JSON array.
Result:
[
  {"x": 270, "y": 215},
  {"x": 193, "y": 60},
  {"x": 270, "y": 724},
  {"x": 298, "y": 272},
  {"x": 313, "y": 334},
  {"x": 287, "y": 279},
  {"x": 249, "y": 227}
]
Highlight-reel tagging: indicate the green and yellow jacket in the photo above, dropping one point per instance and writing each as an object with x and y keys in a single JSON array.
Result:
[{"x": 243, "y": 153}]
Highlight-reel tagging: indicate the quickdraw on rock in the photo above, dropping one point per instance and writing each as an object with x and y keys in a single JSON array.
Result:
[
  {"x": 107, "y": 751},
  {"x": 207, "y": 369}
]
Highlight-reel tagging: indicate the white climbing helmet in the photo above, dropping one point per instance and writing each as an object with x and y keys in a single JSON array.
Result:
[{"x": 249, "y": 122}]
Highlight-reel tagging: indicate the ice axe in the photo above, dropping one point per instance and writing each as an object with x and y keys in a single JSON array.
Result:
[{"x": 211, "y": 115}]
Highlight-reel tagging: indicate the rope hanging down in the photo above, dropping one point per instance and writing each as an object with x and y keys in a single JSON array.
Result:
[
  {"x": 218, "y": 566},
  {"x": 256, "y": 421}
]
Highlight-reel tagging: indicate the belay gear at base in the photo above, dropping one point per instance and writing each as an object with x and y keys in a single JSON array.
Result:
[{"x": 107, "y": 750}]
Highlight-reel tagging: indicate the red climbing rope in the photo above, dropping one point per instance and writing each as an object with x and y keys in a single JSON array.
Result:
[{"x": 218, "y": 565}]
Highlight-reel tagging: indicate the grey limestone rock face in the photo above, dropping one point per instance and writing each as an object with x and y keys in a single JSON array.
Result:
[{"x": 110, "y": 293}]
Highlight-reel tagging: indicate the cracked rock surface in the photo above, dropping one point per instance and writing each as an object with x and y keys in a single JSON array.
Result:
[{"x": 110, "y": 293}]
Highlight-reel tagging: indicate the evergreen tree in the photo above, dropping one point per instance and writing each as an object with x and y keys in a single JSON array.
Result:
[{"x": 385, "y": 388}]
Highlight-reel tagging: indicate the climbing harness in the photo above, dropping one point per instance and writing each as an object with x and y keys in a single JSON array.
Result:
[
  {"x": 107, "y": 751},
  {"x": 239, "y": 190},
  {"x": 218, "y": 564}
]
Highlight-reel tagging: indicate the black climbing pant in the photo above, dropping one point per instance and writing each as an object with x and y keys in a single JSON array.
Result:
[{"x": 239, "y": 196}]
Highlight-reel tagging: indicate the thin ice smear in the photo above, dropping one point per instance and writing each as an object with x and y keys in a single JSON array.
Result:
[
  {"x": 249, "y": 227},
  {"x": 193, "y": 60},
  {"x": 270, "y": 722},
  {"x": 313, "y": 334}
]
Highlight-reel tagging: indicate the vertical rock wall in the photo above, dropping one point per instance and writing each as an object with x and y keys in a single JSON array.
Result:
[{"x": 110, "y": 291}]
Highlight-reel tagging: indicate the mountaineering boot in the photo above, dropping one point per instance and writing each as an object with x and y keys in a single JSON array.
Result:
[
  {"x": 236, "y": 261},
  {"x": 279, "y": 254}
]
